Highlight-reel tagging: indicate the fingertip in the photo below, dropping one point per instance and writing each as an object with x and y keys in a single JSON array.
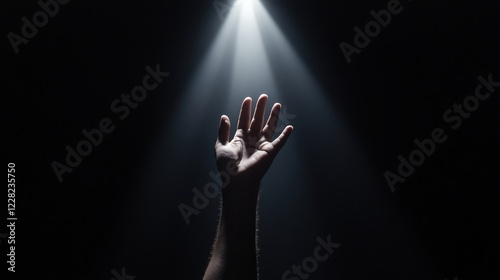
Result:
[
  {"x": 224, "y": 129},
  {"x": 283, "y": 137},
  {"x": 246, "y": 105},
  {"x": 247, "y": 102},
  {"x": 263, "y": 96},
  {"x": 224, "y": 122}
]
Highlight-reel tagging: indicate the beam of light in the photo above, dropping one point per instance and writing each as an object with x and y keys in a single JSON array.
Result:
[
  {"x": 249, "y": 56},
  {"x": 251, "y": 73}
]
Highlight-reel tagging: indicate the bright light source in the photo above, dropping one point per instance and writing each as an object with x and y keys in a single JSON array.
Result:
[
  {"x": 249, "y": 56},
  {"x": 251, "y": 74}
]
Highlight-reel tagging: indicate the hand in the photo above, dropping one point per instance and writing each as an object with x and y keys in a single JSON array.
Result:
[
  {"x": 244, "y": 160},
  {"x": 251, "y": 151}
]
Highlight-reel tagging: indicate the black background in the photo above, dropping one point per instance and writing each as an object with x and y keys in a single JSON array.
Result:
[{"x": 396, "y": 90}]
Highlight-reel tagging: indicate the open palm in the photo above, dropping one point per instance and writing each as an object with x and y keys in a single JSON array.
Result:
[{"x": 252, "y": 149}]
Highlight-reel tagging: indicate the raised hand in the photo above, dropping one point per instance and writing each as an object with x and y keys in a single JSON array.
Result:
[
  {"x": 244, "y": 160},
  {"x": 252, "y": 149}
]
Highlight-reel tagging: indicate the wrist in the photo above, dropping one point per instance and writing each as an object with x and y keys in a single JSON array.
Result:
[{"x": 240, "y": 195}]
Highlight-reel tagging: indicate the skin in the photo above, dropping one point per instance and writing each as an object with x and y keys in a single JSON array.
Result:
[{"x": 246, "y": 157}]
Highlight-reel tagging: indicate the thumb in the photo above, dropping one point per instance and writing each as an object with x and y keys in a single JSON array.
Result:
[{"x": 279, "y": 142}]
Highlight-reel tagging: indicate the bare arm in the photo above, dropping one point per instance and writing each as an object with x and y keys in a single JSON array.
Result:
[{"x": 246, "y": 158}]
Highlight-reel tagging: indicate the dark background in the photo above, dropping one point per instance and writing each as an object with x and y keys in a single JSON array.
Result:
[{"x": 441, "y": 223}]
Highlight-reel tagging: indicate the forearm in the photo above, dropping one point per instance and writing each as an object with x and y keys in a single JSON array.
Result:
[
  {"x": 234, "y": 255},
  {"x": 243, "y": 161}
]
